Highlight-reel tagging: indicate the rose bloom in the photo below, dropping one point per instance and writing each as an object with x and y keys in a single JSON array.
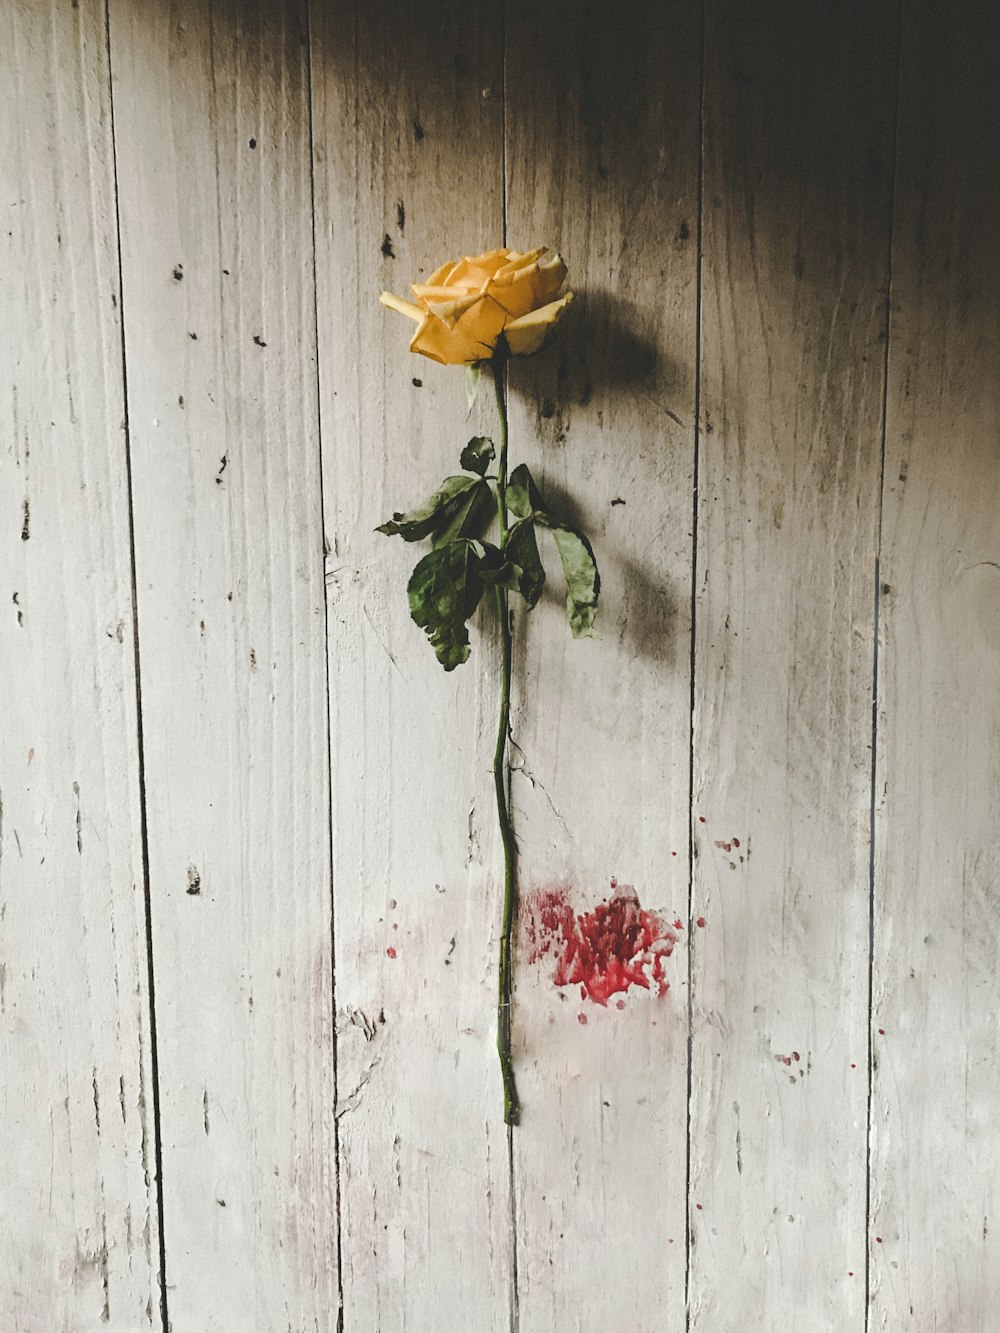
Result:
[{"x": 464, "y": 306}]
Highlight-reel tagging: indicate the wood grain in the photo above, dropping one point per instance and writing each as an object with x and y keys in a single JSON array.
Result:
[
  {"x": 605, "y": 419},
  {"x": 935, "y": 1256},
  {"x": 797, "y": 182},
  {"x": 409, "y": 167},
  {"x": 78, "y": 1228},
  {"x": 212, "y": 112}
]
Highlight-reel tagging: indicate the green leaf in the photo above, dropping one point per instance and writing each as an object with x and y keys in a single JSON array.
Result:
[
  {"x": 470, "y": 518},
  {"x": 478, "y": 454},
  {"x": 473, "y": 374},
  {"x": 583, "y": 582},
  {"x": 434, "y": 514},
  {"x": 522, "y": 550},
  {"x": 523, "y": 496},
  {"x": 444, "y": 591}
]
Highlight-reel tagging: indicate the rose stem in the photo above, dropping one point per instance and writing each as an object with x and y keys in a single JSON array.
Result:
[{"x": 511, "y": 1106}]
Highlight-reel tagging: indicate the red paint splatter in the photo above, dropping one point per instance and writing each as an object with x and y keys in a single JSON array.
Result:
[
  {"x": 736, "y": 842},
  {"x": 701, "y": 819},
  {"x": 617, "y": 945},
  {"x": 673, "y": 853},
  {"x": 878, "y": 1240},
  {"x": 725, "y": 846},
  {"x": 678, "y": 924},
  {"x": 698, "y": 1206},
  {"x": 582, "y": 1019},
  {"x": 854, "y": 1066},
  {"x": 881, "y": 1032},
  {"x": 850, "y": 1273},
  {"x": 795, "y": 1055},
  {"x": 620, "y": 1004},
  {"x": 700, "y": 921},
  {"x": 390, "y": 953}
]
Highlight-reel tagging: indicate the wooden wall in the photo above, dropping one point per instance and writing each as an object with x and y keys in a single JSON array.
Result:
[{"x": 249, "y": 874}]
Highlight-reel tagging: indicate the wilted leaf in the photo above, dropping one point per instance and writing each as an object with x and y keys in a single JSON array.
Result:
[
  {"x": 434, "y": 514},
  {"x": 478, "y": 454},
  {"x": 444, "y": 591},
  {"x": 523, "y": 496},
  {"x": 522, "y": 551},
  {"x": 472, "y": 516},
  {"x": 583, "y": 582},
  {"x": 473, "y": 374}
]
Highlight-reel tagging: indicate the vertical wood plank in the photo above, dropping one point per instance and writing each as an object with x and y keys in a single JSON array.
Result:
[
  {"x": 408, "y": 172},
  {"x": 602, "y": 132},
  {"x": 78, "y": 1228},
  {"x": 936, "y": 1051},
  {"x": 214, "y": 173},
  {"x": 797, "y": 181}
]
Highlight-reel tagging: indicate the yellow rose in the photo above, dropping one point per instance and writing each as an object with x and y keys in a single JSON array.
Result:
[{"x": 464, "y": 307}]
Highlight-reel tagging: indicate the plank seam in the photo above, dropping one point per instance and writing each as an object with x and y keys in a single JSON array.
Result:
[
  {"x": 136, "y": 657},
  {"x": 691, "y": 668},
  {"x": 326, "y": 660},
  {"x": 876, "y": 622}
]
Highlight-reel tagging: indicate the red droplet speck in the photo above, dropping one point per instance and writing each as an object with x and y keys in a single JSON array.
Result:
[
  {"x": 620, "y": 1004},
  {"x": 701, "y": 819},
  {"x": 582, "y": 1019},
  {"x": 673, "y": 853},
  {"x": 795, "y": 1055},
  {"x": 736, "y": 842},
  {"x": 698, "y": 1206},
  {"x": 850, "y": 1273},
  {"x": 878, "y": 1240},
  {"x": 678, "y": 924},
  {"x": 670, "y": 1240},
  {"x": 390, "y": 953},
  {"x": 700, "y": 921},
  {"x": 854, "y": 1066},
  {"x": 617, "y": 945}
]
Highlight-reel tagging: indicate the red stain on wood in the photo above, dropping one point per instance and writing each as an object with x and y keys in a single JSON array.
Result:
[
  {"x": 390, "y": 952},
  {"x": 606, "y": 951}
]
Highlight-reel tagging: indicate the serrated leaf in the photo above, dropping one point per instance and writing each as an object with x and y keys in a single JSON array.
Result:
[
  {"x": 523, "y": 496},
  {"x": 434, "y": 514},
  {"x": 522, "y": 551},
  {"x": 444, "y": 590},
  {"x": 473, "y": 374},
  {"x": 478, "y": 454},
  {"x": 470, "y": 518},
  {"x": 583, "y": 582}
]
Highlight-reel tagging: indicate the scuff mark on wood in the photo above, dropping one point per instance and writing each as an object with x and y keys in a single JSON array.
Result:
[
  {"x": 193, "y": 881},
  {"x": 26, "y": 523},
  {"x": 79, "y": 820}
]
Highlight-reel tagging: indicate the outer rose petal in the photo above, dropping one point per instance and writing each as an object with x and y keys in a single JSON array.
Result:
[
  {"x": 527, "y": 335},
  {"x": 474, "y": 273},
  {"x": 471, "y": 338},
  {"x": 401, "y": 307}
]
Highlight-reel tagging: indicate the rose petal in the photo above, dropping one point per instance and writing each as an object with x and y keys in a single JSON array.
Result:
[
  {"x": 401, "y": 307},
  {"x": 471, "y": 338},
  {"x": 526, "y": 335}
]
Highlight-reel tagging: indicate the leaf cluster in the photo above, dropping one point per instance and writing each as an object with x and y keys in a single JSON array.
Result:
[{"x": 447, "y": 585}]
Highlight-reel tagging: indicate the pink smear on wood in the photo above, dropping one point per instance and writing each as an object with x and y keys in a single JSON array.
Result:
[{"x": 617, "y": 945}]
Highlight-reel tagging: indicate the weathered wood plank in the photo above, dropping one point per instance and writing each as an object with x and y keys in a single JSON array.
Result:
[
  {"x": 214, "y": 176},
  {"x": 602, "y": 132},
  {"x": 409, "y": 163},
  {"x": 78, "y": 1228},
  {"x": 935, "y": 1237},
  {"x": 797, "y": 183}
]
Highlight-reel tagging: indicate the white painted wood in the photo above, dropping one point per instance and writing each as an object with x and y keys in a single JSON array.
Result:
[
  {"x": 605, "y": 419},
  {"x": 935, "y": 1137},
  {"x": 797, "y": 178},
  {"x": 214, "y": 177},
  {"x": 408, "y": 161},
  {"x": 78, "y": 1229}
]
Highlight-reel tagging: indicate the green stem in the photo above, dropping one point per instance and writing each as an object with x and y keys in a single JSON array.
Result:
[{"x": 511, "y": 1106}]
